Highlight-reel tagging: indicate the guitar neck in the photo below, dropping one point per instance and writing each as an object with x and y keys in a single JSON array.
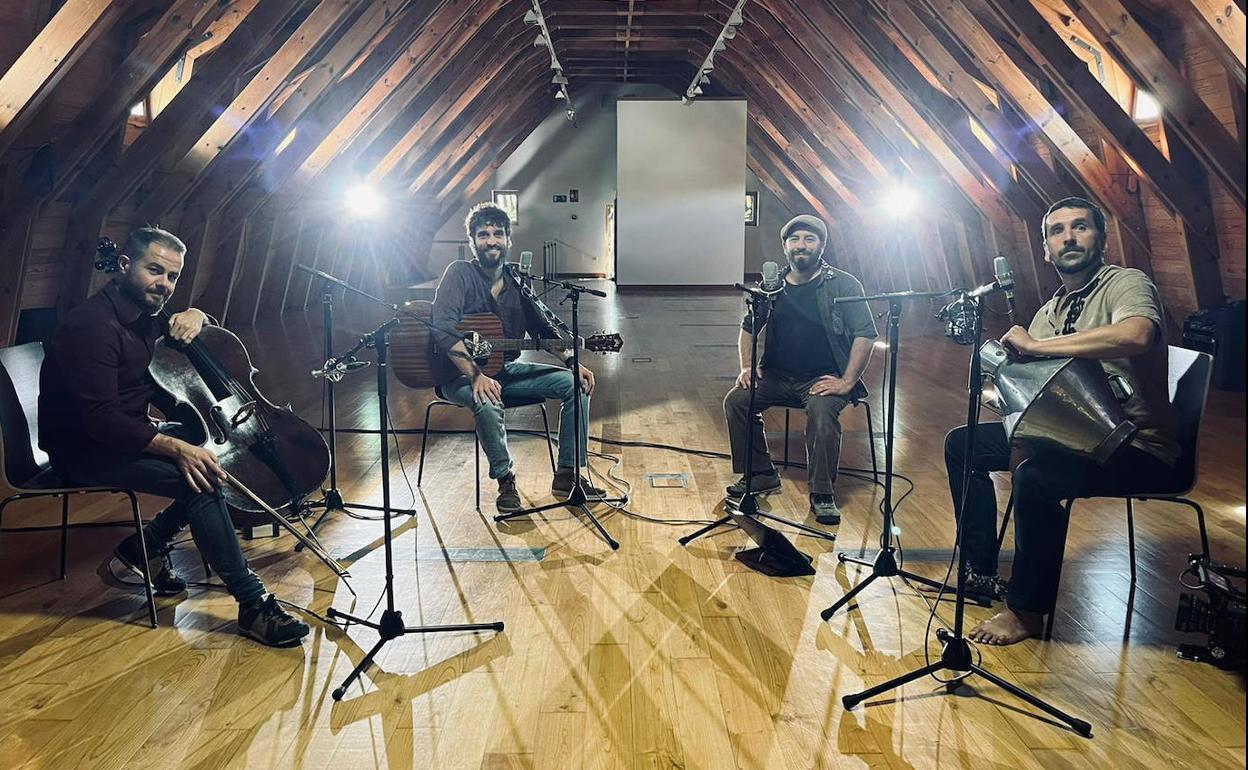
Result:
[{"x": 510, "y": 346}]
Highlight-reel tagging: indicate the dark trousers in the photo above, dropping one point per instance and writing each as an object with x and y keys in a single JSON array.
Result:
[
  {"x": 1040, "y": 484},
  {"x": 211, "y": 526},
  {"x": 823, "y": 427}
]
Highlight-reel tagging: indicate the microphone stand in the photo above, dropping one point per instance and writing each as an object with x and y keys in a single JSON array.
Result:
[
  {"x": 956, "y": 655},
  {"x": 576, "y": 498},
  {"x": 748, "y": 504},
  {"x": 885, "y": 562},
  {"x": 391, "y": 624},
  {"x": 331, "y": 498}
]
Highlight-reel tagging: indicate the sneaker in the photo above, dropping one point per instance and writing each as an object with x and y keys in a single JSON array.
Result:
[
  {"x": 565, "y": 479},
  {"x": 764, "y": 483},
  {"x": 825, "y": 510},
  {"x": 165, "y": 582},
  {"x": 508, "y": 500},
  {"x": 267, "y": 623}
]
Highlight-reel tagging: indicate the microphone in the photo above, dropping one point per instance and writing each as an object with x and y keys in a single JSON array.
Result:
[
  {"x": 1005, "y": 280},
  {"x": 526, "y": 263},
  {"x": 771, "y": 280},
  {"x": 334, "y": 370}
]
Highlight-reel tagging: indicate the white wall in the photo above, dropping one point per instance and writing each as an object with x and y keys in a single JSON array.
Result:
[
  {"x": 762, "y": 243},
  {"x": 681, "y": 186},
  {"x": 556, "y": 157}
]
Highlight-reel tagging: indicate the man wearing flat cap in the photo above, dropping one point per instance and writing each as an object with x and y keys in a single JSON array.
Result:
[{"x": 814, "y": 353}]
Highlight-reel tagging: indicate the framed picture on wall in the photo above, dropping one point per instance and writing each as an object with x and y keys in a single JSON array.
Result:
[
  {"x": 751, "y": 209},
  {"x": 509, "y": 201}
]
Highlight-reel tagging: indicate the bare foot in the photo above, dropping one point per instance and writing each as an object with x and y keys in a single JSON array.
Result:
[{"x": 1007, "y": 627}]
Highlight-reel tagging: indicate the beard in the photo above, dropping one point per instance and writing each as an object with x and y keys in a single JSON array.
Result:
[
  {"x": 150, "y": 300},
  {"x": 490, "y": 261},
  {"x": 1075, "y": 259},
  {"x": 801, "y": 260}
]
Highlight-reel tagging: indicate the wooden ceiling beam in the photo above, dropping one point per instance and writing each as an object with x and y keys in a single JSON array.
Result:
[
  {"x": 248, "y": 107},
  {"x": 466, "y": 132},
  {"x": 1221, "y": 25},
  {"x": 1071, "y": 76},
  {"x": 966, "y": 89},
  {"x": 28, "y": 83},
  {"x": 1183, "y": 109}
]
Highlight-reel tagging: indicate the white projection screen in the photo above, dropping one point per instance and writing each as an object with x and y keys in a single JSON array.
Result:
[{"x": 681, "y": 192}]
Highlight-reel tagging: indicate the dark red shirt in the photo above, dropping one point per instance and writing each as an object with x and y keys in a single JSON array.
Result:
[{"x": 94, "y": 388}]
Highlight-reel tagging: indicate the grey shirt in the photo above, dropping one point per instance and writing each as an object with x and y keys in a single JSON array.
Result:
[{"x": 1112, "y": 295}]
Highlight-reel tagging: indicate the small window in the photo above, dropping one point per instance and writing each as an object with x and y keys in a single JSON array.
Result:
[
  {"x": 509, "y": 201},
  {"x": 1146, "y": 107}
]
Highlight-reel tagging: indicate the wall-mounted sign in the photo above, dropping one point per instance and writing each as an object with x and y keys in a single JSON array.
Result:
[{"x": 574, "y": 195}]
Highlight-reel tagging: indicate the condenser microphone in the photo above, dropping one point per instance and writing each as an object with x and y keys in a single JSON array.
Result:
[
  {"x": 771, "y": 280},
  {"x": 526, "y": 263},
  {"x": 1005, "y": 279}
]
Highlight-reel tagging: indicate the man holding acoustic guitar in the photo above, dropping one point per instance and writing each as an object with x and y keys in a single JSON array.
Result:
[
  {"x": 486, "y": 285},
  {"x": 95, "y": 391}
]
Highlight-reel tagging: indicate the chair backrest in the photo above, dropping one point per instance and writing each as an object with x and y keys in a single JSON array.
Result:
[
  {"x": 19, "y": 413},
  {"x": 1189, "y": 386}
]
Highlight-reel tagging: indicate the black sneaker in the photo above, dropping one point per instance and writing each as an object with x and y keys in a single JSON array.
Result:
[
  {"x": 564, "y": 480},
  {"x": 165, "y": 582},
  {"x": 825, "y": 510},
  {"x": 267, "y": 623},
  {"x": 508, "y": 499},
  {"x": 764, "y": 483}
]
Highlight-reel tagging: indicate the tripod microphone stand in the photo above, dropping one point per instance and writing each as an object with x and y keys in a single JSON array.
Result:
[
  {"x": 956, "y": 655},
  {"x": 748, "y": 504},
  {"x": 391, "y": 624},
  {"x": 885, "y": 562},
  {"x": 576, "y": 498},
  {"x": 331, "y": 498}
]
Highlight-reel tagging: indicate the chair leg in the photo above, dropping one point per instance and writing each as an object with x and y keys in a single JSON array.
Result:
[
  {"x": 424, "y": 441},
  {"x": 875, "y": 468},
  {"x": 786, "y": 438},
  {"x": 476, "y": 464},
  {"x": 64, "y": 534},
  {"x": 147, "y": 583},
  {"x": 1200, "y": 522},
  {"x": 1131, "y": 537},
  {"x": 1005, "y": 523},
  {"x": 1048, "y": 622},
  {"x": 550, "y": 446}
]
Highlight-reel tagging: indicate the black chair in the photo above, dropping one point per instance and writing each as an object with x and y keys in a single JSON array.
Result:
[
  {"x": 875, "y": 471},
  {"x": 1189, "y": 373},
  {"x": 508, "y": 403},
  {"x": 25, "y": 466}
]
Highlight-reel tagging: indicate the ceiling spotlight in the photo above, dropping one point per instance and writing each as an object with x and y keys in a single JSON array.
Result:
[
  {"x": 709, "y": 65},
  {"x": 719, "y": 45},
  {"x": 571, "y": 114},
  {"x": 697, "y": 90},
  {"x": 735, "y": 19},
  {"x": 560, "y": 94},
  {"x": 530, "y": 18},
  {"x": 362, "y": 201},
  {"x": 704, "y": 80},
  {"x": 730, "y": 33},
  {"x": 539, "y": 41},
  {"x": 685, "y": 100},
  {"x": 559, "y": 79}
]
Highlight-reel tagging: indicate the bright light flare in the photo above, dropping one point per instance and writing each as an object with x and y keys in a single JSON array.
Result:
[
  {"x": 364, "y": 202},
  {"x": 900, "y": 202}
]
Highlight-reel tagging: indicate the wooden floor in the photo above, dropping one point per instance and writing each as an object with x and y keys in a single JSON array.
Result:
[{"x": 654, "y": 656}]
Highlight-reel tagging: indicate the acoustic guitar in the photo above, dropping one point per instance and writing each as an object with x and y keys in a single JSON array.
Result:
[{"x": 415, "y": 357}]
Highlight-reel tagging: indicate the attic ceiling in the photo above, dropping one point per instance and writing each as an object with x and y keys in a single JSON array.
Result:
[{"x": 995, "y": 107}]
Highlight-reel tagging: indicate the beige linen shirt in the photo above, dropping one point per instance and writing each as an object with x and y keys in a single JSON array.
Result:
[{"x": 1115, "y": 294}]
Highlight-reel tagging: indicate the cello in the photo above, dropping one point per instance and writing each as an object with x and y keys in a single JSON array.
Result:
[{"x": 272, "y": 458}]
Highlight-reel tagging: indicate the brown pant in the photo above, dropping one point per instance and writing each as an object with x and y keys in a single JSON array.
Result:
[{"x": 823, "y": 427}]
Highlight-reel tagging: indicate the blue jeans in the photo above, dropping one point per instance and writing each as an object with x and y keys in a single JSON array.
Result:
[
  {"x": 211, "y": 526},
  {"x": 522, "y": 380}
]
